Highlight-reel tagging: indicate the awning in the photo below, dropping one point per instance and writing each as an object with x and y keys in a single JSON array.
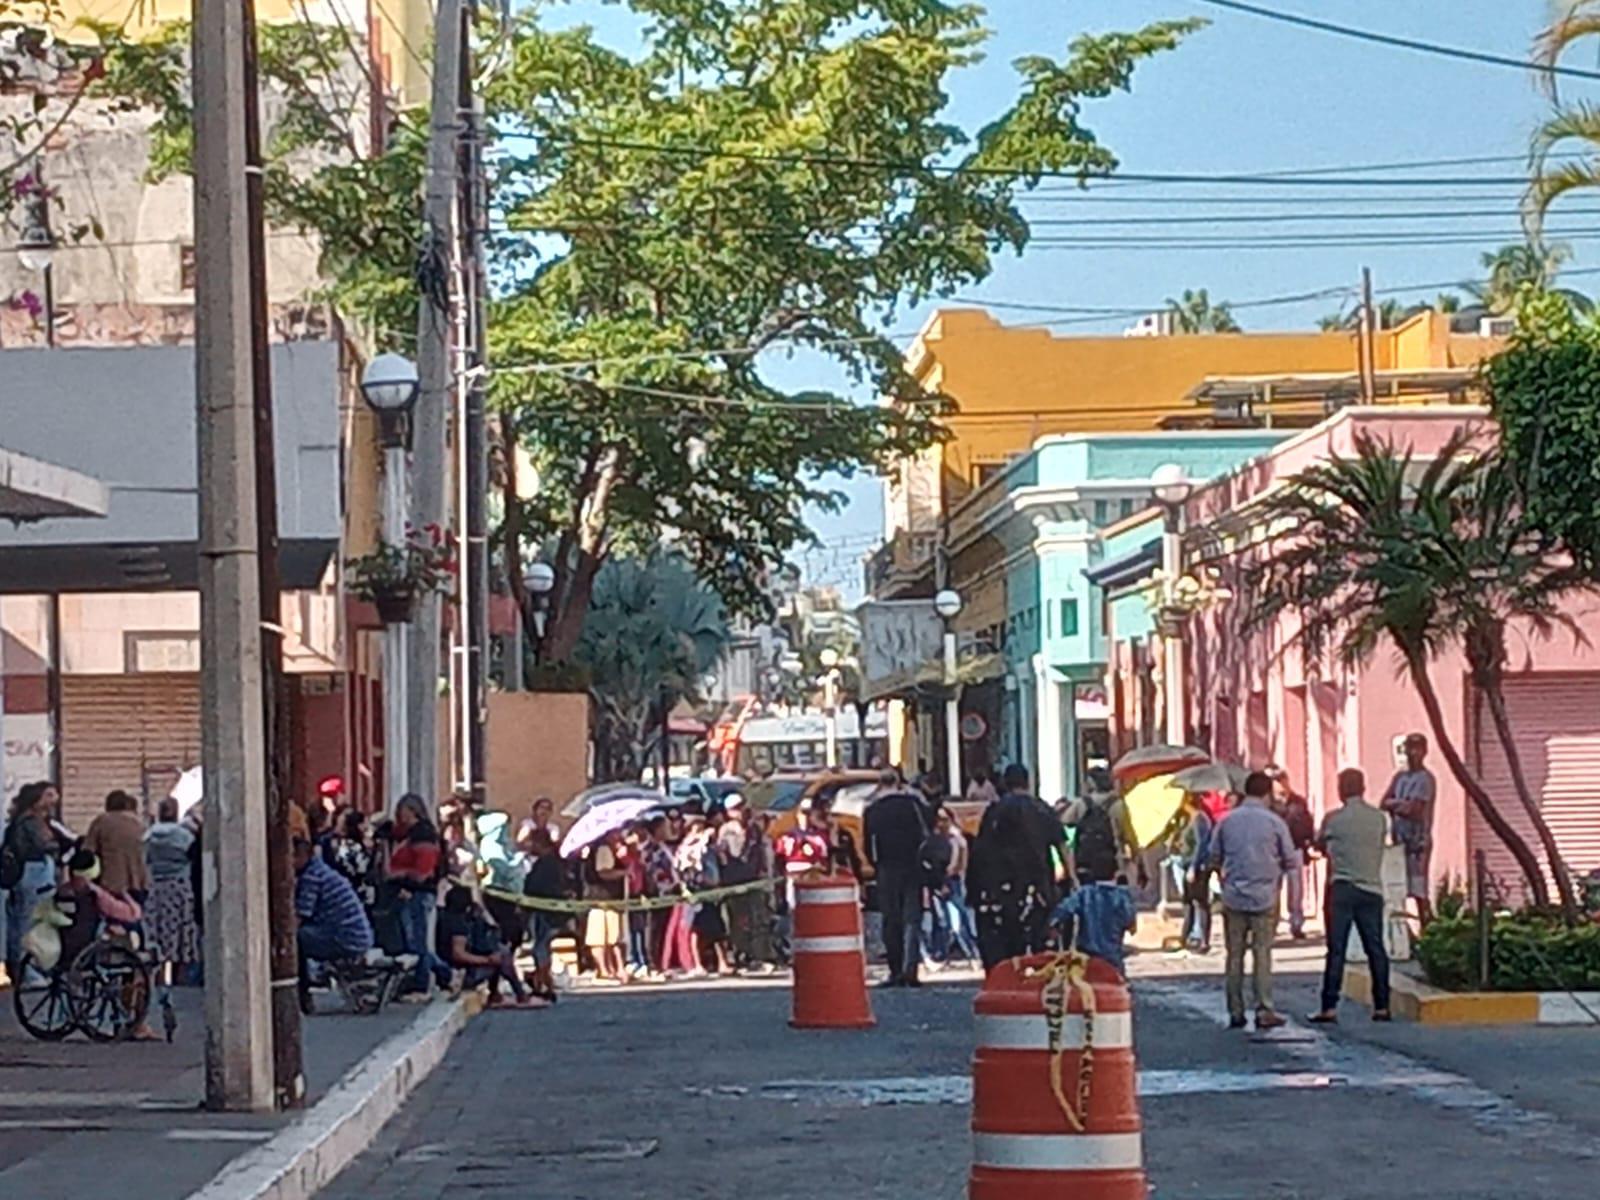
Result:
[
  {"x": 1126, "y": 569},
  {"x": 31, "y": 490}
]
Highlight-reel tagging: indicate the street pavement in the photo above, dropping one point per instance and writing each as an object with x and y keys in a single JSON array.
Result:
[
  {"x": 76, "y": 1117},
  {"x": 706, "y": 1092}
]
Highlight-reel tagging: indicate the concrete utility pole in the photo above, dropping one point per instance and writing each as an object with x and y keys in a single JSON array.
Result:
[
  {"x": 238, "y": 978},
  {"x": 1368, "y": 353},
  {"x": 288, "y": 1075},
  {"x": 433, "y": 367}
]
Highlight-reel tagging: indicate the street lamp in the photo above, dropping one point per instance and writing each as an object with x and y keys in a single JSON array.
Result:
[
  {"x": 948, "y": 605},
  {"x": 36, "y": 251},
  {"x": 390, "y": 385},
  {"x": 1172, "y": 487},
  {"x": 539, "y": 580},
  {"x": 830, "y": 702}
]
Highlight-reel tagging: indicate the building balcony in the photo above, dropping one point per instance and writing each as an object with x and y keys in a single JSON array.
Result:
[{"x": 904, "y": 562}]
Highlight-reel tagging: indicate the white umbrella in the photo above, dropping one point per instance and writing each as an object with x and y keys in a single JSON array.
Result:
[
  {"x": 189, "y": 790},
  {"x": 602, "y": 818},
  {"x": 1211, "y": 777},
  {"x": 602, "y": 793}
]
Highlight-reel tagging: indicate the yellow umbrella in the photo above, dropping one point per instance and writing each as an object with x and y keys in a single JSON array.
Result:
[{"x": 1151, "y": 806}]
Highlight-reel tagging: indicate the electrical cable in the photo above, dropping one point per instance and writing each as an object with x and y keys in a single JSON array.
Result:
[{"x": 1402, "y": 43}]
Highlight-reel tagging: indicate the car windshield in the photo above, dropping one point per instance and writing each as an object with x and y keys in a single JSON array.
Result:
[{"x": 721, "y": 789}]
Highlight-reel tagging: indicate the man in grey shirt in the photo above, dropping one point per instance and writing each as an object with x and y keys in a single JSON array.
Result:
[
  {"x": 1353, "y": 839},
  {"x": 1409, "y": 801},
  {"x": 1253, "y": 850}
]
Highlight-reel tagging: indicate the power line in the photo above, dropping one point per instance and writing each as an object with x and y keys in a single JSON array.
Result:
[
  {"x": 1086, "y": 179},
  {"x": 1403, "y": 43}
]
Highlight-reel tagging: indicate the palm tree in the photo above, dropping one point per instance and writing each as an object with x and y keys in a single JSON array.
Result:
[
  {"x": 1378, "y": 548},
  {"x": 1519, "y": 268},
  {"x": 1573, "y": 129},
  {"x": 1194, "y": 312},
  {"x": 652, "y": 632},
  {"x": 1390, "y": 314}
]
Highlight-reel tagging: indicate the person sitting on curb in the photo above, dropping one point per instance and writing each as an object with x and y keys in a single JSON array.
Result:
[
  {"x": 468, "y": 941},
  {"x": 333, "y": 923}
]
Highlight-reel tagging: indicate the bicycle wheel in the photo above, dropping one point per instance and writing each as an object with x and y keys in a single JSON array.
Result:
[
  {"x": 110, "y": 988},
  {"x": 43, "y": 1002}
]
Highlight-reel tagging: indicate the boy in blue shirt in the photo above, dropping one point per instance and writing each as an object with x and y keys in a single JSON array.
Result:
[{"x": 1103, "y": 910}]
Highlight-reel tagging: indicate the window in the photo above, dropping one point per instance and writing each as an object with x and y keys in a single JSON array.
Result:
[
  {"x": 1101, "y": 511},
  {"x": 983, "y": 472},
  {"x": 1069, "y": 618},
  {"x": 186, "y": 267},
  {"x": 1127, "y": 506}
]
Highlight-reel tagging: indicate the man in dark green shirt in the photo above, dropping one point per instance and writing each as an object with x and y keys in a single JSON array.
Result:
[{"x": 1353, "y": 839}]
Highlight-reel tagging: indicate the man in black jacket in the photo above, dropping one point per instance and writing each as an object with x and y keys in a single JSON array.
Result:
[
  {"x": 1012, "y": 873},
  {"x": 896, "y": 829}
]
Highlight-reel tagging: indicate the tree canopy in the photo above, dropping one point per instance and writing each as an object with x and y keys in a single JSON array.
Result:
[
  {"x": 1196, "y": 312},
  {"x": 758, "y": 176}
]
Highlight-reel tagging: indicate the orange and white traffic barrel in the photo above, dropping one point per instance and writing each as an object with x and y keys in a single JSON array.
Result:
[
  {"x": 830, "y": 959},
  {"x": 1055, "y": 1106}
]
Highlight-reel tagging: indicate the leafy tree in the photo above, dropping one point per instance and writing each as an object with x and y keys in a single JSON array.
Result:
[
  {"x": 1194, "y": 312},
  {"x": 760, "y": 175},
  {"x": 1427, "y": 557},
  {"x": 1544, "y": 389},
  {"x": 651, "y": 634}
]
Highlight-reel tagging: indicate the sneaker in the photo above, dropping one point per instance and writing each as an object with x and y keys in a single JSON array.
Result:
[
  {"x": 1237, "y": 1023},
  {"x": 1267, "y": 1019},
  {"x": 1324, "y": 1018},
  {"x": 1382, "y": 1014}
]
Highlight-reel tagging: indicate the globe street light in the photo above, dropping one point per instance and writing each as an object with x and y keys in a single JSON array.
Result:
[
  {"x": 36, "y": 251},
  {"x": 539, "y": 580},
  {"x": 948, "y": 605},
  {"x": 1172, "y": 487},
  {"x": 389, "y": 383}
]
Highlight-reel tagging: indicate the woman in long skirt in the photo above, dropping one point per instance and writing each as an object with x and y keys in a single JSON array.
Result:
[{"x": 169, "y": 913}]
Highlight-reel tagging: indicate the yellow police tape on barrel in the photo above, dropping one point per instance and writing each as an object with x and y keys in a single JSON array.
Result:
[{"x": 636, "y": 904}]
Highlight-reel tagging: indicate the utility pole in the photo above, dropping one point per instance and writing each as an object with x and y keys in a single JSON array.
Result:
[
  {"x": 433, "y": 369},
  {"x": 1368, "y": 350},
  {"x": 238, "y": 976},
  {"x": 287, "y": 1068},
  {"x": 475, "y": 442}
]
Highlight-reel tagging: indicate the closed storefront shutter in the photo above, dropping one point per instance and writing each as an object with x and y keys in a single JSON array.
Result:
[
  {"x": 134, "y": 732},
  {"x": 1556, "y": 719}
]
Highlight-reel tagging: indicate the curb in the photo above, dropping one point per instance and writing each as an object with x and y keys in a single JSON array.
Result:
[
  {"x": 307, "y": 1154},
  {"x": 1413, "y": 1000}
]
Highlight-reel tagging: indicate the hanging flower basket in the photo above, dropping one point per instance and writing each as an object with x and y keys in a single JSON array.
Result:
[
  {"x": 395, "y": 605},
  {"x": 392, "y": 577}
]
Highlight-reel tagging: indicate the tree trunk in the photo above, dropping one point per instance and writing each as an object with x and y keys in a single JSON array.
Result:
[
  {"x": 566, "y": 623},
  {"x": 1558, "y": 868},
  {"x": 1513, "y": 841}
]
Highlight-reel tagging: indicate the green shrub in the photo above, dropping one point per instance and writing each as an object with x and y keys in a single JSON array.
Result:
[{"x": 1528, "y": 952}]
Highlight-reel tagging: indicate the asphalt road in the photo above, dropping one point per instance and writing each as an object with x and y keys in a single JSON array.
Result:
[{"x": 708, "y": 1093}]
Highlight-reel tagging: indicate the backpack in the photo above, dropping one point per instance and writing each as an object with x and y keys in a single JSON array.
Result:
[
  {"x": 1096, "y": 845},
  {"x": 11, "y": 863}
]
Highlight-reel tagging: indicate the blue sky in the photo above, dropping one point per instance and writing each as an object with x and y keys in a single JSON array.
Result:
[{"x": 1249, "y": 95}]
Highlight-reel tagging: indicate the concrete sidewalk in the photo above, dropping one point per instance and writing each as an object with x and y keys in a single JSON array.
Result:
[{"x": 75, "y": 1116}]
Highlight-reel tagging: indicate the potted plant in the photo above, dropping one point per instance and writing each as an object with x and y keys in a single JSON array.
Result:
[{"x": 393, "y": 576}]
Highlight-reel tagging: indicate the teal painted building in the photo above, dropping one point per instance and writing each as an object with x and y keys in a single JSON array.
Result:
[{"x": 1071, "y": 504}]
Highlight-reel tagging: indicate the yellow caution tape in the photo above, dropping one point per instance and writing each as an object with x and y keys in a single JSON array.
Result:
[
  {"x": 1063, "y": 974},
  {"x": 636, "y": 904}
]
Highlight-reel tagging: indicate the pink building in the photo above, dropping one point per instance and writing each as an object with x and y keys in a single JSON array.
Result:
[{"x": 1257, "y": 701}]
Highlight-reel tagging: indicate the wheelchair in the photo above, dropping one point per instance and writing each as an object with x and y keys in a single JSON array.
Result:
[{"x": 104, "y": 990}]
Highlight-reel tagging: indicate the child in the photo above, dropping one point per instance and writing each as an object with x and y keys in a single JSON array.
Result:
[{"x": 1104, "y": 911}]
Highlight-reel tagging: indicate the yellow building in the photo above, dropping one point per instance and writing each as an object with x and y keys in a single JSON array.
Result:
[{"x": 402, "y": 30}]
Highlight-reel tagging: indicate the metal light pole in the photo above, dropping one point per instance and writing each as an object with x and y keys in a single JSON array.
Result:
[
  {"x": 948, "y": 605},
  {"x": 390, "y": 385},
  {"x": 1172, "y": 487},
  {"x": 830, "y": 703}
]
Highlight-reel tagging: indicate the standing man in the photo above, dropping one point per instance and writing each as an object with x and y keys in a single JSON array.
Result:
[
  {"x": 1253, "y": 850},
  {"x": 1296, "y": 814},
  {"x": 1353, "y": 840},
  {"x": 981, "y": 789},
  {"x": 1011, "y": 875},
  {"x": 896, "y": 829},
  {"x": 1409, "y": 801}
]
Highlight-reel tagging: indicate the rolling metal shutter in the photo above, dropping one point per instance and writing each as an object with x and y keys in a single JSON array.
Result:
[
  {"x": 1557, "y": 723},
  {"x": 134, "y": 732}
]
